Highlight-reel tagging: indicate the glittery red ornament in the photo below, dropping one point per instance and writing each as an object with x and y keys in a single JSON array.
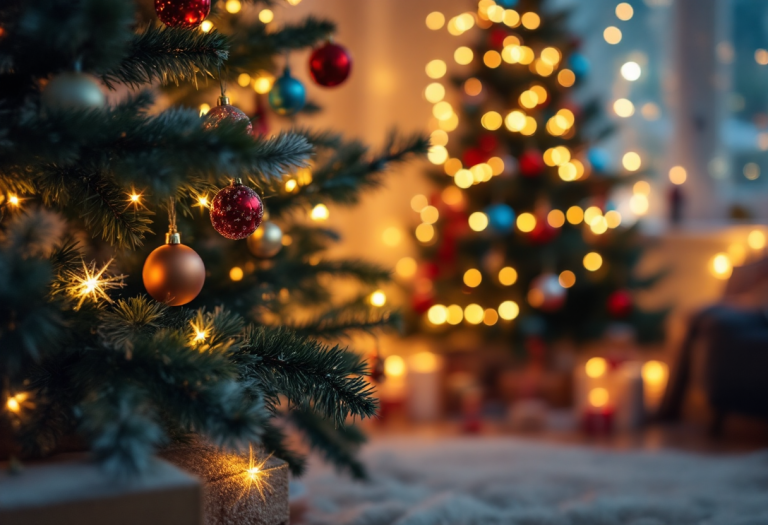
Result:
[
  {"x": 531, "y": 163},
  {"x": 236, "y": 211},
  {"x": 225, "y": 111},
  {"x": 182, "y": 13},
  {"x": 620, "y": 304},
  {"x": 330, "y": 64}
]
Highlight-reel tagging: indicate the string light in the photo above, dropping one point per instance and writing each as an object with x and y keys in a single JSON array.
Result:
[
  {"x": 530, "y": 20},
  {"x": 473, "y": 87},
  {"x": 566, "y": 78},
  {"x": 624, "y": 108},
  {"x": 406, "y": 267},
  {"x": 507, "y": 276},
  {"x": 206, "y": 26},
  {"x": 233, "y": 6},
  {"x": 463, "y": 55},
  {"x": 631, "y": 161},
  {"x": 490, "y": 317},
  {"x": 473, "y": 278},
  {"x": 392, "y": 236},
  {"x": 509, "y": 310},
  {"x": 257, "y": 476},
  {"x": 266, "y": 16},
  {"x": 455, "y": 314},
  {"x": 425, "y": 233},
  {"x": 720, "y": 266},
  {"x": 593, "y": 261},
  {"x": 474, "y": 314},
  {"x": 236, "y": 274},
  {"x": 511, "y": 18},
  {"x": 435, "y": 20},
  {"x": 612, "y": 35},
  {"x": 526, "y": 222},
  {"x": 202, "y": 201},
  {"x": 418, "y": 203},
  {"x": 429, "y": 214},
  {"x": 756, "y": 240},
  {"x": 574, "y": 215},
  {"x": 437, "y": 154},
  {"x": 18, "y": 401},
  {"x": 92, "y": 283},
  {"x": 435, "y": 92},
  {"x": 437, "y": 314},
  {"x": 262, "y": 84},
  {"x": 378, "y": 298},
  {"x": 624, "y": 11},
  {"x": 567, "y": 279},
  {"x": 596, "y": 367},
  {"x": 394, "y": 366},
  {"x": 677, "y": 175},
  {"x": 598, "y": 397},
  {"x": 631, "y": 71},
  {"x": 13, "y": 200},
  {"x": 320, "y": 212},
  {"x": 478, "y": 221}
]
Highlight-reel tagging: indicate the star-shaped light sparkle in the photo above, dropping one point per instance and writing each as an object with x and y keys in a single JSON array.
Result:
[{"x": 93, "y": 283}]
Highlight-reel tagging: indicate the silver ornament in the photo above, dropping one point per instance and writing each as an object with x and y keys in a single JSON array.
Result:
[
  {"x": 266, "y": 241},
  {"x": 72, "y": 90},
  {"x": 546, "y": 293}
]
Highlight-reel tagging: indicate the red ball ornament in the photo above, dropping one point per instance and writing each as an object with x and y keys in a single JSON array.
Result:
[
  {"x": 236, "y": 211},
  {"x": 330, "y": 64},
  {"x": 225, "y": 111},
  {"x": 182, "y": 13},
  {"x": 620, "y": 304},
  {"x": 376, "y": 368},
  {"x": 497, "y": 38},
  {"x": 531, "y": 163},
  {"x": 421, "y": 302},
  {"x": 543, "y": 232},
  {"x": 488, "y": 143},
  {"x": 473, "y": 156}
]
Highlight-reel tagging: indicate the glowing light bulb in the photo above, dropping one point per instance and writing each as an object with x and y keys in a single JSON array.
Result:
[
  {"x": 266, "y": 16},
  {"x": 598, "y": 397},
  {"x": 320, "y": 212},
  {"x": 631, "y": 71},
  {"x": 135, "y": 197},
  {"x": 596, "y": 367},
  {"x": 233, "y": 6},
  {"x": 206, "y": 26},
  {"x": 236, "y": 273},
  {"x": 378, "y": 298},
  {"x": 721, "y": 266}
]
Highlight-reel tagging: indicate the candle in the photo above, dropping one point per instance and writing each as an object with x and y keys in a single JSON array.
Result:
[
  {"x": 424, "y": 386},
  {"x": 655, "y": 375},
  {"x": 599, "y": 414}
]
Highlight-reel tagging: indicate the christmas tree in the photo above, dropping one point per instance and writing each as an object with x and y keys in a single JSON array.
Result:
[
  {"x": 524, "y": 237},
  {"x": 118, "y": 337}
]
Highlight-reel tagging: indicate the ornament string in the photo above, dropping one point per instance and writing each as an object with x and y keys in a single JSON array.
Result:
[
  {"x": 222, "y": 82},
  {"x": 172, "y": 215}
]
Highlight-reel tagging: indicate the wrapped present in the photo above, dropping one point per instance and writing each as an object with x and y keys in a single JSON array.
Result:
[
  {"x": 76, "y": 491},
  {"x": 239, "y": 489}
]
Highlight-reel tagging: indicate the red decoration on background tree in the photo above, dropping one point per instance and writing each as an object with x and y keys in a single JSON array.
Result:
[
  {"x": 531, "y": 163},
  {"x": 542, "y": 233},
  {"x": 496, "y": 39},
  {"x": 330, "y": 64},
  {"x": 236, "y": 211},
  {"x": 620, "y": 304},
  {"x": 376, "y": 364},
  {"x": 488, "y": 142},
  {"x": 225, "y": 111},
  {"x": 182, "y": 13},
  {"x": 260, "y": 122},
  {"x": 472, "y": 157}
]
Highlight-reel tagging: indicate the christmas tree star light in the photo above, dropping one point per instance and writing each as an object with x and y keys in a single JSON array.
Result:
[
  {"x": 256, "y": 476},
  {"x": 93, "y": 283}
]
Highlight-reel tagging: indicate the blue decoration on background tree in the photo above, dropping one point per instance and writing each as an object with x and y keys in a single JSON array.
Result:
[
  {"x": 501, "y": 218},
  {"x": 579, "y": 65},
  {"x": 599, "y": 159},
  {"x": 507, "y": 4},
  {"x": 288, "y": 95}
]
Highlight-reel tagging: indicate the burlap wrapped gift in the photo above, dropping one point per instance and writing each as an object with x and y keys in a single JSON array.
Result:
[{"x": 234, "y": 494}]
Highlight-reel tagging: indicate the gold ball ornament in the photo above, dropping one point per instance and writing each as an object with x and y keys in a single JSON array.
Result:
[
  {"x": 174, "y": 273},
  {"x": 267, "y": 241},
  {"x": 73, "y": 90}
]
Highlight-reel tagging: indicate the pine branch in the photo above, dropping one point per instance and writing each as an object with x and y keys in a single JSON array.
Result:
[
  {"x": 306, "y": 372},
  {"x": 170, "y": 55},
  {"x": 290, "y": 37},
  {"x": 339, "y": 445},
  {"x": 342, "y": 322},
  {"x": 342, "y": 173}
]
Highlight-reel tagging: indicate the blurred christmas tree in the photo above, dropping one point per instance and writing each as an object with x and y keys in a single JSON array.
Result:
[
  {"x": 237, "y": 340},
  {"x": 524, "y": 238}
]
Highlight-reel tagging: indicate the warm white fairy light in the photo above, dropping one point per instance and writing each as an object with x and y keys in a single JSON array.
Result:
[
  {"x": 256, "y": 476},
  {"x": 92, "y": 283}
]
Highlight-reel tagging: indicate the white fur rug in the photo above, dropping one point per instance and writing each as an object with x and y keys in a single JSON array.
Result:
[{"x": 504, "y": 481}]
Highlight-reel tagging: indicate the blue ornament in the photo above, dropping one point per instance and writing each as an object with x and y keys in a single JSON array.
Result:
[
  {"x": 579, "y": 65},
  {"x": 507, "y": 4},
  {"x": 501, "y": 218},
  {"x": 287, "y": 95},
  {"x": 599, "y": 159}
]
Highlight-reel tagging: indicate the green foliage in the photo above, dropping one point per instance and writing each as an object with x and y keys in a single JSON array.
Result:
[{"x": 125, "y": 373}]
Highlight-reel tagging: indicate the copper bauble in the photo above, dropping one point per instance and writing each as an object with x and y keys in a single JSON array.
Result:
[
  {"x": 174, "y": 273},
  {"x": 236, "y": 211},
  {"x": 267, "y": 241}
]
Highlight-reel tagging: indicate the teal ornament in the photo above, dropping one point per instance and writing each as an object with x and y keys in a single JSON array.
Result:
[
  {"x": 507, "y": 4},
  {"x": 579, "y": 65},
  {"x": 599, "y": 159},
  {"x": 501, "y": 218},
  {"x": 288, "y": 95},
  {"x": 72, "y": 91}
]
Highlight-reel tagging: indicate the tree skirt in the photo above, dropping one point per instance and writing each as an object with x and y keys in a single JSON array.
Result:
[{"x": 497, "y": 481}]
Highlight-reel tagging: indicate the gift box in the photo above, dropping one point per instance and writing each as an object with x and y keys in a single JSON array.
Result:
[
  {"x": 239, "y": 489},
  {"x": 76, "y": 491}
]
